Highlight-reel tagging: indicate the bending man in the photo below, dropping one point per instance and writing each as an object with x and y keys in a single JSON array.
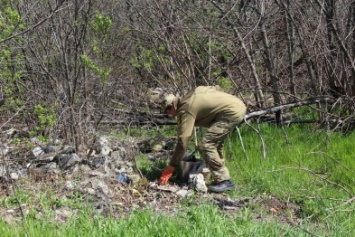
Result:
[{"x": 206, "y": 106}]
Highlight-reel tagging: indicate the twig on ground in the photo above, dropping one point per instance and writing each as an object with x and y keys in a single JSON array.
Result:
[
  {"x": 315, "y": 174},
  {"x": 334, "y": 159},
  {"x": 349, "y": 201},
  {"x": 336, "y": 209},
  {"x": 241, "y": 141},
  {"x": 261, "y": 138},
  {"x": 136, "y": 167}
]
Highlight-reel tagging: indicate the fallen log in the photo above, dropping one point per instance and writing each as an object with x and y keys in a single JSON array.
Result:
[
  {"x": 139, "y": 119},
  {"x": 288, "y": 106}
]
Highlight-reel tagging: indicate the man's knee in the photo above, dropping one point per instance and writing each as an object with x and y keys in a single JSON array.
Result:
[
  {"x": 206, "y": 147},
  {"x": 206, "y": 150}
]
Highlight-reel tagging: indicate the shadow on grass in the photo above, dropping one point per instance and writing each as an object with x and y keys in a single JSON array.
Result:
[{"x": 153, "y": 171}]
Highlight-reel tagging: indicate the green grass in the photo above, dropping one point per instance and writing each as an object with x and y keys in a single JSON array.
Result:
[
  {"x": 205, "y": 220},
  {"x": 306, "y": 166},
  {"x": 307, "y": 158}
]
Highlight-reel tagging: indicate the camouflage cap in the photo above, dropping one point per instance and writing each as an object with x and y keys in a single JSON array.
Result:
[{"x": 167, "y": 100}]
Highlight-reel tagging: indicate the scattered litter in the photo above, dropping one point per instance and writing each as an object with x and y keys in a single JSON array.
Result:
[
  {"x": 185, "y": 193},
  {"x": 167, "y": 188},
  {"x": 122, "y": 178},
  {"x": 197, "y": 182}
]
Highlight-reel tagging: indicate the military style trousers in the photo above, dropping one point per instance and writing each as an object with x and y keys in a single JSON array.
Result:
[{"x": 211, "y": 147}]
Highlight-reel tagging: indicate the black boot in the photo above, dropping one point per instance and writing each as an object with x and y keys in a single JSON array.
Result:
[{"x": 221, "y": 187}]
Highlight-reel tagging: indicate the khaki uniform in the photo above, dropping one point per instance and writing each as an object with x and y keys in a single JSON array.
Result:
[{"x": 209, "y": 107}]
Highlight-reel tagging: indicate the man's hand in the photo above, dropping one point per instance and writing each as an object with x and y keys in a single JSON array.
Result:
[{"x": 167, "y": 173}]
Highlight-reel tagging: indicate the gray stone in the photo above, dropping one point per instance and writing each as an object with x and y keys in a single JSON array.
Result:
[
  {"x": 197, "y": 182},
  {"x": 185, "y": 193},
  {"x": 14, "y": 176},
  {"x": 50, "y": 147},
  {"x": 69, "y": 185},
  {"x": 4, "y": 149},
  {"x": 37, "y": 151},
  {"x": 66, "y": 161}
]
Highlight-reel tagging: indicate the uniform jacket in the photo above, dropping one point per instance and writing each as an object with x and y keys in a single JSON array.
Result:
[{"x": 201, "y": 108}]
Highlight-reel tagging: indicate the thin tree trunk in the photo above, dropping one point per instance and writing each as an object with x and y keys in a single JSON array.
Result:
[
  {"x": 290, "y": 46},
  {"x": 258, "y": 90},
  {"x": 260, "y": 99},
  {"x": 304, "y": 51},
  {"x": 270, "y": 65}
]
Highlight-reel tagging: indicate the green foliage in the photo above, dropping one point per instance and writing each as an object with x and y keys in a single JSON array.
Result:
[
  {"x": 225, "y": 83},
  {"x": 222, "y": 51},
  {"x": 101, "y": 24},
  {"x": 11, "y": 61},
  {"x": 144, "y": 60},
  {"x": 46, "y": 118},
  {"x": 12, "y": 104},
  {"x": 104, "y": 73},
  {"x": 10, "y": 20}
]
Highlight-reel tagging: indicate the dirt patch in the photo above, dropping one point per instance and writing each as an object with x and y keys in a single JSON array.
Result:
[
  {"x": 107, "y": 179},
  {"x": 123, "y": 199}
]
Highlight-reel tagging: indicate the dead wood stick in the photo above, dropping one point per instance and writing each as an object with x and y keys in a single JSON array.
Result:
[
  {"x": 288, "y": 106},
  {"x": 261, "y": 138},
  {"x": 241, "y": 141},
  {"x": 315, "y": 174}
]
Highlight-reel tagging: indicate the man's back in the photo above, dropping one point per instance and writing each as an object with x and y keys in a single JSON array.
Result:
[{"x": 206, "y": 103}]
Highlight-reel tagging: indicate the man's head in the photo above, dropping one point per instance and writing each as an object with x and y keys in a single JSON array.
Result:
[{"x": 168, "y": 104}]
